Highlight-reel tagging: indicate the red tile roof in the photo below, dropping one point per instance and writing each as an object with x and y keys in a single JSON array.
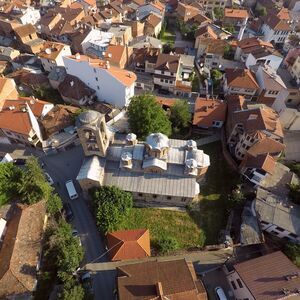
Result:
[
  {"x": 266, "y": 276},
  {"x": 236, "y": 13},
  {"x": 128, "y": 244},
  {"x": 241, "y": 78},
  {"x": 207, "y": 111}
]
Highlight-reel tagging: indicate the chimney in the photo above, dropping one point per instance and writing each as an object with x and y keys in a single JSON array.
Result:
[
  {"x": 77, "y": 56},
  {"x": 11, "y": 107}
]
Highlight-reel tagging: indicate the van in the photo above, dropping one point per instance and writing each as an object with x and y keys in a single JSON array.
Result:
[
  {"x": 71, "y": 190},
  {"x": 220, "y": 293}
]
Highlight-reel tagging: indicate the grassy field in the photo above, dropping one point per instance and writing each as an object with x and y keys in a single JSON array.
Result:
[
  {"x": 211, "y": 212},
  {"x": 168, "y": 38},
  {"x": 160, "y": 222}
]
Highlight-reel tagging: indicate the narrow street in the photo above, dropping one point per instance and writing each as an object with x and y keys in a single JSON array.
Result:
[{"x": 62, "y": 167}]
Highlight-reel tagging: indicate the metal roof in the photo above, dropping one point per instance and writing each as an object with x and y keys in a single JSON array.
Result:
[
  {"x": 156, "y": 184},
  {"x": 155, "y": 162},
  {"x": 92, "y": 168}
]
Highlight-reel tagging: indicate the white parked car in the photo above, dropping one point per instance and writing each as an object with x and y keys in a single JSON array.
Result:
[
  {"x": 49, "y": 179},
  {"x": 220, "y": 293}
]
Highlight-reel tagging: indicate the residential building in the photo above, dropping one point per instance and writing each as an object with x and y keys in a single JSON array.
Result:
[
  {"x": 209, "y": 5},
  {"x": 145, "y": 42},
  {"x": 28, "y": 38},
  {"x": 252, "y": 129},
  {"x": 25, "y": 128},
  {"x": 254, "y": 51},
  {"x": 21, "y": 251},
  {"x": 199, "y": 20},
  {"x": 210, "y": 49},
  {"x": 8, "y": 26},
  {"x": 27, "y": 15},
  {"x": 235, "y": 17},
  {"x": 205, "y": 31},
  {"x": 52, "y": 54},
  {"x": 128, "y": 244},
  {"x": 112, "y": 85},
  {"x": 8, "y": 53},
  {"x": 58, "y": 128},
  {"x": 145, "y": 10},
  {"x": 153, "y": 24},
  {"x": 240, "y": 82},
  {"x": 122, "y": 34},
  {"x": 186, "y": 12},
  {"x": 277, "y": 216},
  {"x": 159, "y": 170},
  {"x": 275, "y": 28},
  {"x": 209, "y": 113},
  {"x": 74, "y": 91},
  {"x": 159, "y": 279},
  {"x": 96, "y": 42},
  {"x": 172, "y": 73},
  {"x": 144, "y": 59},
  {"x": 272, "y": 90},
  {"x": 118, "y": 55},
  {"x": 271, "y": 274}
]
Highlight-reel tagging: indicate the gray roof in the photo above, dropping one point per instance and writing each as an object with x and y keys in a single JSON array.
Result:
[
  {"x": 89, "y": 116},
  {"x": 154, "y": 162},
  {"x": 157, "y": 141},
  {"x": 156, "y": 184},
  {"x": 250, "y": 233},
  {"x": 92, "y": 168},
  {"x": 57, "y": 74},
  {"x": 271, "y": 209},
  {"x": 146, "y": 41}
]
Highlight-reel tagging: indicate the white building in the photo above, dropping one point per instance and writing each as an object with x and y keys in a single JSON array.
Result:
[
  {"x": 52, "y": 55},
  {"x": 29, "y": 16},
  {"x": 112, "y": 85},
  {"x": 275, "y": 29},
  {"x": 96, "y": 42},
  {"x": 273, "y": 91},
  {"x": 272, "y": 276}
]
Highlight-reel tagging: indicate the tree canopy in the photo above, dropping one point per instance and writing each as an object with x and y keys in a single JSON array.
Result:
[
  {"x": 33, "y": 186},
  {"x": 146, "y": 116},
  {"x": 167, "y": 244},
  {"x": 292, "y": 251},
  {"x": 180, "y": 114},
  {"x": 9, "y": 177},
  {"x": 54, "y": 204},
  {"x": 112, "y": 206}
]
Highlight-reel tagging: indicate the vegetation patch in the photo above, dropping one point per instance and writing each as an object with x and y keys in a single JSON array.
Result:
[{"x": 179, "y": 228}]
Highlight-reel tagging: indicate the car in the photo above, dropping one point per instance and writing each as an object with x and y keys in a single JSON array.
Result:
[
  {"x": 49, "y": 179},
  {"x": 220, "y": 293},
  {"x": 67, "y": 212},
  {"x": 87, "y": 282},
  {"x": 19, "y": 161}
]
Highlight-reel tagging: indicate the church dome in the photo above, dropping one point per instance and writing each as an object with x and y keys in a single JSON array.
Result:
[
  {"x": 157, "y": 141},
  {"x": 89, "y": 117}
]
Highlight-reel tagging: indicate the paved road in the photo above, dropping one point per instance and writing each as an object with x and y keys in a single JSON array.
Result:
[{"x": 64, "y": 166}]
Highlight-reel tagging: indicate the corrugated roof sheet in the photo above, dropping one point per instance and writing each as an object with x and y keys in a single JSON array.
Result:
[{"x": 92, "y": 168}]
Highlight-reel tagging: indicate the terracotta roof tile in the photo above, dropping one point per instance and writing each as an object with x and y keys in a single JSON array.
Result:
[
  {"x": 51, "y": 50},
  {"x": 153, "y": 20},
  {"x": 264, "y": 162},
  {"x": 175, "y": 280},
  {"x": 129, "y": 244},
  {"x": 241, "y": 78},
  {"x": 21, "y": 249},
  {"x": 265, "y": 146},
  {"x": 265, "y": 276},
  {"x": 168, "y": 62},
  {"x": 236, "y": 13},
  {"x": 207, "y": 111}
]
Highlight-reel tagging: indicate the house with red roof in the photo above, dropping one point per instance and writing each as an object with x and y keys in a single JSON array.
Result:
[{"x": 128, "y": 244}]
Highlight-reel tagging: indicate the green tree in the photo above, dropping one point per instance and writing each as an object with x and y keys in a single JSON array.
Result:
[
  {"x": 230, "y": 28},
  {"x": 292, "y": 251},
  {"x": 76, "y": 292},
  {"x": 66, "y": 250},
  {"x": 228, "y": 52},
  {"x": 167, "y": 244},
  {"x": 112, "y": 206},
  {"x": 146, "y": 116},
  {"x": 180, "y": 115},
  {"x": 236, "y": 198},
  {"x": 218, "y": 12},
  {"x": 33, "y": 186},
  {"x": 9, "y": 177},
  {"x": 262, "y": 12},
  {"x": 54, "y": 204}
]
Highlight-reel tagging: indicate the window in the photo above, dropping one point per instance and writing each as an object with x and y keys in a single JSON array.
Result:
[
  {"x": 140, "y": 195},
  {"x": 96, "y": 78},
  {"x": 239, "y": 283},
  {"x": 233, "y": 285},
  {"x": 263, "y": 222},
  {"x": 94, "y": 70},
  {"x": 279, "y": 229},
  {"x": 98, "y": 87},
  {"x": 169, "y": 197},
  {"x": 161, "y": 80},
  {"x": 162, "y": 72},
  {"x": 274, "y": 232},
  {"x": 154, "y": 196},
  {"x": 293, "y": 235},
  {"x": 183, "y": 199}
]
